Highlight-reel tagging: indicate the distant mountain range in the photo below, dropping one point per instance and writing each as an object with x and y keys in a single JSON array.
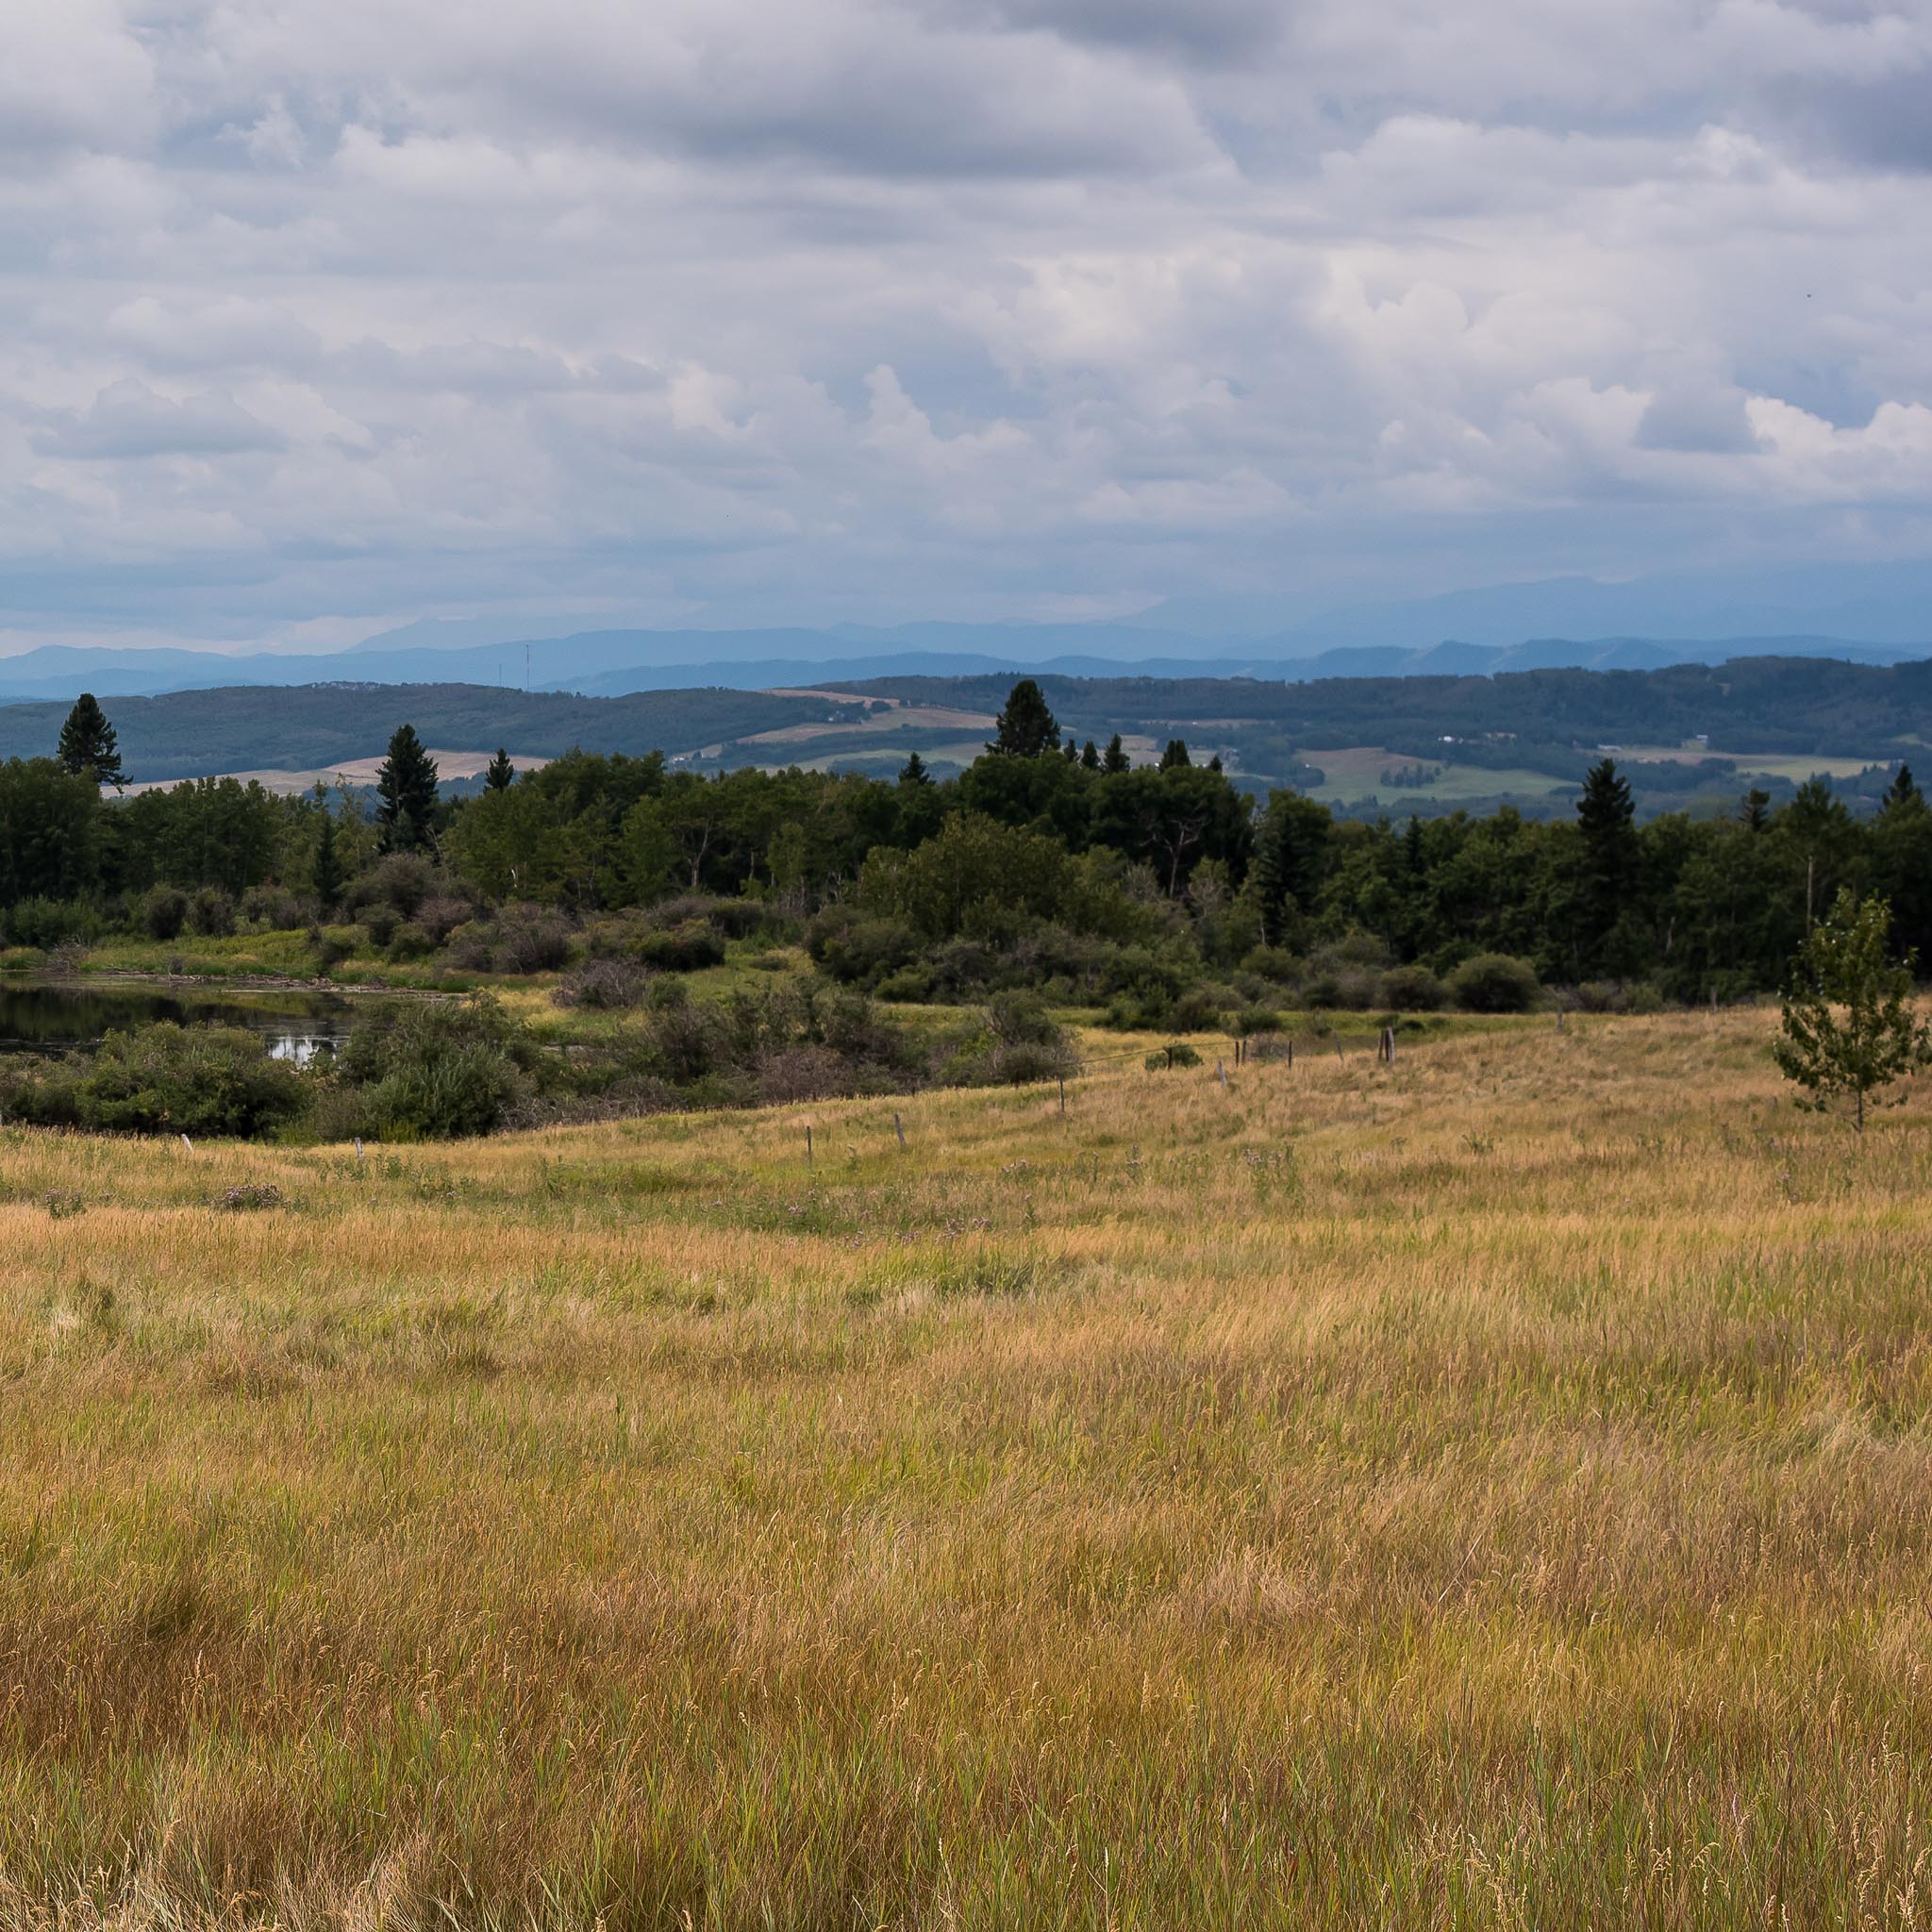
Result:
[
  {"x": 1867, "y": 614},
  {"x": 612, "y": 663}
]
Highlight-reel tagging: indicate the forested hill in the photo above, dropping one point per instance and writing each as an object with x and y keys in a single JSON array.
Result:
[
  {"x": 1806, "y": 706},
  {"x": 319, "y": 726}
]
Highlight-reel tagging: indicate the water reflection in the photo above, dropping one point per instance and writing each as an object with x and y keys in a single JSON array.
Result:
[{"x": 49, "y": 1016}]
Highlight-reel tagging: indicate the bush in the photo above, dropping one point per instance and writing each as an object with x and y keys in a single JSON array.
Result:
[
  {"x": 1196, "y": 1012},
  {"x": 855, "y": 949},
  {"x": 685, "y": 948},
  {"x": 1177, "y": 1054},
  {"x": 604, "y": 986},
  {"x": 166, "y": 1079},
  {"x": 529, "y": 939},
  {"x": 1494, "y": 983},
  {"x": 1412, "y": 990},
  {"x": 211, "y": 913},
  {"x": 1255, "y": 1020},
  {"x": 433, "y": 1068},
  {"x": 269, "y": 908},
  {"x": 400, "y": 882},
  {"x": 49, "y": 924},
  {"x": 164, "y": 913}
]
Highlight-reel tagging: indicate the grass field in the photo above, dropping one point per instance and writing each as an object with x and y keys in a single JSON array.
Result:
[{"x": 1490, "y": 1490}]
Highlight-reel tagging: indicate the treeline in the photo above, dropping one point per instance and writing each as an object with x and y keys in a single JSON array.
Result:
[{"x": 1045, "y": 864}]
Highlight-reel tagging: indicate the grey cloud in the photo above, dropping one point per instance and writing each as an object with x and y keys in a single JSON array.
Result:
[
  {"x": 877, "y": 308},
  {"x": 128, "y": 421}
]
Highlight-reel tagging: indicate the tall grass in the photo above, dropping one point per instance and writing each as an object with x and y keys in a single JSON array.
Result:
[{"x": 1489, "y": 1490}]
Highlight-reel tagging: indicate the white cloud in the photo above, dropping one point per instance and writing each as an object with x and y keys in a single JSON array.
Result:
[{"x": 880, "y": 307}]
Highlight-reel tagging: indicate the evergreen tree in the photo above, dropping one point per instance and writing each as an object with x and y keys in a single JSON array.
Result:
[
  {"x": 914, "y": 772},
  {"x": 1090, "y": 757},
  {"x": 1027, "y": 727},
  {"x": 406, "y": 785},
  {"x": 1071, "y": 752},
  {"x": 1850, "y": 1028},
  {"x": 88, "y": 745},
  {"x": 1214, "y": 763},
  {"x": 1114, "y": 759},
  {"x": 326, "y": 876},
  {"x": 1755, "y": 813},
  {"x": 1902, "y": 792},
  {"x": 500, "y": 772},
  {"x": 1175, "y": 756},
  {"x": 1607, "y": 887}
]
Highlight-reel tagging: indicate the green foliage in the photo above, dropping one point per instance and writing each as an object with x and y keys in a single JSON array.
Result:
[
  {"x": 433, "y": 1068},
  {"x": 1494, "y": 983},
  {"x": 406, "y": 785},
  {"x": 499, "y": 774},
  {"x": 88, "y": 747},
  {"x": 1849, "y": 1025},
  {"x": 164, "y": 1079},
  {"x": 1026, "y": 727}
]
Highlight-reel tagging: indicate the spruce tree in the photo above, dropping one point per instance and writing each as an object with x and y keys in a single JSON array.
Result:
[
  {"x": 914, "y": 772},
  {"x": 1755, "y": 813},
  {"x": 1115, "y": 759},
  {"x": 326, "y": 876},
  {"x": 499, "y": 773},
  {"x": 1850, "y": 1027},
  {"x": 1027, "y": 727},
  {"x": 1175, "y": 756},
  {"x": 1902, "y": 792},
  {"x": 88, "y": 745},
  {"x": 406, "y": 785},
  {"x": 1090, "y": 757},
  {"x": 1608, "y": 869}
]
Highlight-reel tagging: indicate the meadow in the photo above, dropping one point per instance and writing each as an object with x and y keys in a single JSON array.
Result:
[{"x": 1485, "y": 1491}]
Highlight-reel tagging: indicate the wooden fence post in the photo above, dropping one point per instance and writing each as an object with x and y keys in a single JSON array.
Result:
[
  {"x": 899, "y": 1128},
  {"x": 807, "y": 1143}
]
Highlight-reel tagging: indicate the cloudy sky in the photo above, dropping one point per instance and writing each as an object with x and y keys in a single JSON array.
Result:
[{"x": 318, "y": 318}]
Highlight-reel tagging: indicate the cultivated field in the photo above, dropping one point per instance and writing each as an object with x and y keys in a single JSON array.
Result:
[{"x": 1491, "y": 1490}]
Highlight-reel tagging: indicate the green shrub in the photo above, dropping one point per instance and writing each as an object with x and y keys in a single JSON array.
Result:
[
  {"x": 684, "y": 948},
  {"x": 164, "y": 913},
  {"x": 1494, "y": 983},
  {"x": 166, "y": 1079},
  {"x": 433, "y": 1068},
  {"x": 1412, "y": 990},
  {"x": 1177, "y": 1054},
  {"x": 49, "y": 924}
]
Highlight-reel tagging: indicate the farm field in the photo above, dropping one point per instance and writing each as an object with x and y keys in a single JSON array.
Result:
[{"x": 1487, "y": 1490}]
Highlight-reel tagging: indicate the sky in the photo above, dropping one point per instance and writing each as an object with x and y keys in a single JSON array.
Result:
[{"x": 316, "y": 319}]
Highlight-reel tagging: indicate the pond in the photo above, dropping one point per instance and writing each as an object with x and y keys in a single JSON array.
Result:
[{"x": 53, "y": 1016}]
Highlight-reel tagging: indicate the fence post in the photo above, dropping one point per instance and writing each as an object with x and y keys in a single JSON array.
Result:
[
  {"x": 899, "y": 1128},
  {"x": 1559, "y": 1019},
  {"x": 807, "y": 1143},
  {"x": 187, "y": 1143},
  {"x": 1063, "y": 1096},
  {"x": 1291, "y": 1049},
  {"x": 1221, "y": 1070}
]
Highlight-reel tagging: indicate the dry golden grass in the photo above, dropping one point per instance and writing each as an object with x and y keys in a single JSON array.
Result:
[{"x": 1491, "y": 1490}]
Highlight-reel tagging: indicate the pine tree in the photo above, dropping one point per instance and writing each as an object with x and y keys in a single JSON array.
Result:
[
  {"x": 326, "y": 876},
  {"x": 914, "y": 772},
  {"x": 1755, "y": 813},
  {"x": 1880, "y": 1039},
  {"x": 1115, "y": 759},
  {"x": 88, "y": 745},
  {"x": 1090, "y": 757},
  {"x": 1071, "y": 752},
  {"x": 1027, "y": 727},
  {"x": 1902, "y": 792},
  {"x": 1609, "y": 870},
  {"x": 406, "y": 785},
  {"x": 499, "y": 773},
  {"x": 1214, "y": 763},
  {"x": 1175, "y": 756}
]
